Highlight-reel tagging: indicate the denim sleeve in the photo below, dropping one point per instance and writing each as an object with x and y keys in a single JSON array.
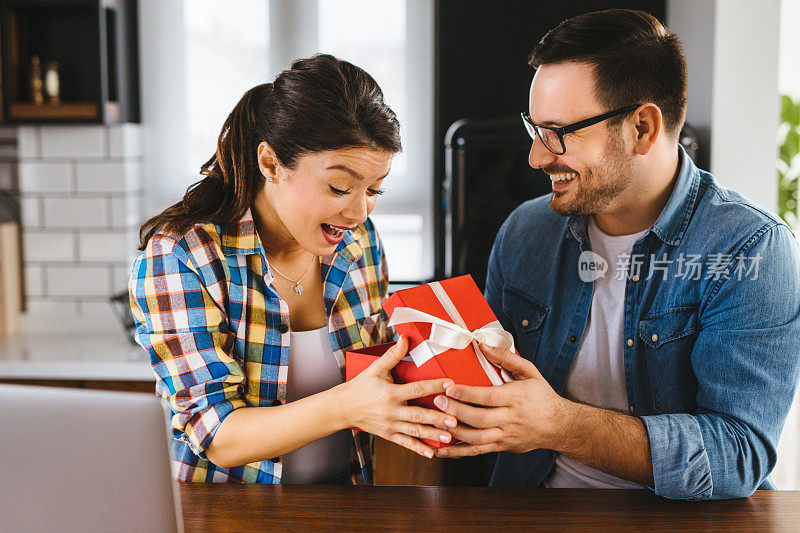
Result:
[{"x": 745, "y": 359}]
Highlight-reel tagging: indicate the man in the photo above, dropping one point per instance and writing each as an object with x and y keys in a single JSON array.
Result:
[{"x": 657, "y": 313}]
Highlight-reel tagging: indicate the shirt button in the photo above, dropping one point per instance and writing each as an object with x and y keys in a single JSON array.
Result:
[
  {"x": 573, "y": 338},
  {"x": 654, "y": 337},
  {"x": 635, "y": 278},
  {"x": 630, "y": 342},
  {"x": 283, "y": 328},
  {"x": 630, "y": 408},
  {"x": 524, "y": 322}
]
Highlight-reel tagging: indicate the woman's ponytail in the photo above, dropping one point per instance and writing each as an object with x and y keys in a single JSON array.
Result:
[{"x": 231, "y": 179}]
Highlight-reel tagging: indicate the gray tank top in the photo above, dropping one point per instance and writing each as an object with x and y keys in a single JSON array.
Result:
[{"x": 313, "y": 369}]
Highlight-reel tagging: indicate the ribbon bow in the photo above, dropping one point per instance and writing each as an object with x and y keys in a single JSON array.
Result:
[{"x": 448, "y": 335}]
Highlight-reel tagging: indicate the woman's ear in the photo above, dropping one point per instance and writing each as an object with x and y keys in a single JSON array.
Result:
[
  {"x": 648, "y": 123},
  {"x": 267, "y": 162}
]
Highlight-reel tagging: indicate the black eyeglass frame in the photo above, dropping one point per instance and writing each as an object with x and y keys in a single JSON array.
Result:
[{"x": 569, "y": 128}]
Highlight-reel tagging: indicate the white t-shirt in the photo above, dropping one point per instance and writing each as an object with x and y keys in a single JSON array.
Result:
[
  {"x": 313, "y": 369},
  {"x": 597, "y": 376}
]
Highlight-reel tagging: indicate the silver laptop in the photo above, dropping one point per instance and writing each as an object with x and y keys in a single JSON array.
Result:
[{"x": 78, "y": 460}]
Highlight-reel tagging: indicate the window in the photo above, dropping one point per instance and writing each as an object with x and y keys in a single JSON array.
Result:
[
  {"x": 393, "y": 41},
  {"x": 227, "y": 53},
  {"x": 200, "y": 56}
]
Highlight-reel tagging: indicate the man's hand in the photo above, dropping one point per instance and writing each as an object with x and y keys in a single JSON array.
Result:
[
  {"x": 518, "y": 416},
  {"x": 527, "y": 414}
]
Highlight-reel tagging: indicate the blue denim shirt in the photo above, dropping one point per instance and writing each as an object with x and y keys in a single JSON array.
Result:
[{"x": 711, "y": 359}]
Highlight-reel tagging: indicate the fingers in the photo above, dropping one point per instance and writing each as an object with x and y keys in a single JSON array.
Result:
[
  {"x": 519, "y": 367},
  {"x": 489, "y": 396},
  {"x": 419, "y": 431},
  {"x": 477, "y": 417},
  {"x": 470, "y": 435},
  {"x": 420, "y": 389},
  {"x": 466, "y": 450},
  {"x": 392, "y": 356},
  {"x": 416, "y": 446},
  {"x": 429, "y": 417}
]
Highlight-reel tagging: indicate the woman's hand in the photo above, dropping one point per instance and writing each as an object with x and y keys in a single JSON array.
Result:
[{"x": 374, "y": 403}]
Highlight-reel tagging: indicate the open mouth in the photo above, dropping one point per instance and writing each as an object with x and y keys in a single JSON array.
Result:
[
  {"x": 561, "y": 180},
  {"x": 334, "y": 234}
]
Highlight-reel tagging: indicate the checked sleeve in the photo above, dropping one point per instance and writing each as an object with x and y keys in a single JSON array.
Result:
[{"x": 185, "y": 331}]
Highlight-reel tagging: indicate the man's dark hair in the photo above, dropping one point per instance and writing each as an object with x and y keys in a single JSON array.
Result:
[{"x": 635, "y": 60}]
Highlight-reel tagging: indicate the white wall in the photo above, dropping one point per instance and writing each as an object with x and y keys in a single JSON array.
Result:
[
  {"x": 745, "y": 106},
  {"x": 293, "y": 32},
  {"x": 732, "y": 56},
  {"x": 163, "y": 88}
]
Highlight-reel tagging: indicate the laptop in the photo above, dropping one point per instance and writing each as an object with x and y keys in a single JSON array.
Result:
[{"x": 78, "y": 460}]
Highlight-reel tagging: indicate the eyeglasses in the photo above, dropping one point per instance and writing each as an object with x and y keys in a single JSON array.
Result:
[{"x": 553, "y": 138}]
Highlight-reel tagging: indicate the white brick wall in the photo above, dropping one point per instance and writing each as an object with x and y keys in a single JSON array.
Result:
[
  {"x": 37, "y": 176},
  {"x": 45, "y": 247},
  {"x": 73, "y": 141},
  {"x": 81, "y": 207}
]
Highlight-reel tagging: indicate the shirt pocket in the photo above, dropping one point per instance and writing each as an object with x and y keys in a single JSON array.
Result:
[
  {"x": 668, "y": 338},
  {"x": 527, "y": 315}
]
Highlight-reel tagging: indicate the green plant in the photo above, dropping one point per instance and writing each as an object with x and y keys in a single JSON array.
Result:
[{"x": 788, "y": 161}]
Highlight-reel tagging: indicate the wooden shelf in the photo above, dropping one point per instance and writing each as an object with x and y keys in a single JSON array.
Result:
[{"x": 65, "y": 111}]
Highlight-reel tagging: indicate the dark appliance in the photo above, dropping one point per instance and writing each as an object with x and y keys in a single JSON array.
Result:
[{"x": 486, "y": 176}]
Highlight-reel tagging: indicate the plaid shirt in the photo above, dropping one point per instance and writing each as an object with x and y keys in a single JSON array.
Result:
[{"x": 218, "y": 333}]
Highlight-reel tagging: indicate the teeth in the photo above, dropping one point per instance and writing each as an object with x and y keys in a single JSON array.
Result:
[
  {"x": 563, "y": 176},
  {"x": 333, "y": 231}
]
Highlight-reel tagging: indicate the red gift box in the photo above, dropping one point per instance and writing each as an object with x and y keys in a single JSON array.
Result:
[{"x": 441, "y": 320}]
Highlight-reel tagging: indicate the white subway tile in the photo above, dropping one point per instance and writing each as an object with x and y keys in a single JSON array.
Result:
[
  {"x": 121, "y": 277},
  {"x": 125, "y": 140},
  {"x": 77, "y": 281},
  {"x": 100, "y": 177},
  {"x": 28, "y": 141},
  {"x": 45, "y": 177},
  {"x": 46, "y": 246},
  {"x": 34, "y": 281},
  {"x": 127, "y": 211},
  {"x": 73, "y": 141},
  {"x": 134, "y": 176},
  {"x": 112, "y": 177},
  {"x": 29, "y": 212},
  {"x": 75, "y": 212},
  {"x": 106, "y": 246}
]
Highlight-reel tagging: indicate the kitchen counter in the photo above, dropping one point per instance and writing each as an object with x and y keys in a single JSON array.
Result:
[{"x": 72, "y": 353}]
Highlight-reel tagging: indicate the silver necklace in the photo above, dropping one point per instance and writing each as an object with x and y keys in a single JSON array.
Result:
[{"x": 297, "y": 287}]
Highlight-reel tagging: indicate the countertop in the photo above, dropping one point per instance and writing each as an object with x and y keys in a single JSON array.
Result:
[{"x": 76, "y": 350}]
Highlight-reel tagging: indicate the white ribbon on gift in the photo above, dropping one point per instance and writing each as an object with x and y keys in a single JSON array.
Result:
[{"x": 448, "y": 335}]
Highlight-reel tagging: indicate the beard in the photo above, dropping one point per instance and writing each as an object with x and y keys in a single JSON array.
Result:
[{"x": 595, "y": 188}]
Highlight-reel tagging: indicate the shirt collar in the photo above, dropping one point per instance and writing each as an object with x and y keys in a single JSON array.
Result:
[
  {"x": 674, "y": 218},
  {"x": 241, "y": 238}
]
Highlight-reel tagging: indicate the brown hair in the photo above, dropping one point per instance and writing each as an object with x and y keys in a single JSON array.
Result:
[
  {"x": 320, "y": 103},
  {"x": 635, "y": 60}
]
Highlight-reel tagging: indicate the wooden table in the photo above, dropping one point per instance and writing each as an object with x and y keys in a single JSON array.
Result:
[{"x": 230, "y": 508}]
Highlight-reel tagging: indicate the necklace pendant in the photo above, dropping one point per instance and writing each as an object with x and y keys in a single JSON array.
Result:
[{"x": 298, "y": 289}]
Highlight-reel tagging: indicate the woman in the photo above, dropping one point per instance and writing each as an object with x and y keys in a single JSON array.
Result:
[{"x": 250, "y": 289}]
